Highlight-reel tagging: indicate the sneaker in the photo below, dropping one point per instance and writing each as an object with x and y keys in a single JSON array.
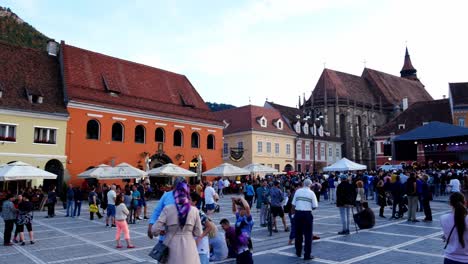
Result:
[
  {"x": 112, "y": 226},
  {"x": 107, "y": 225},
  {"x": 119, "y": 246},
  {"x": 14, "y": 240},
  {"x": 145, "y": 217},
  {"x": 287, "y": 229},
  {"x": 275, "y": 230},
  {"x": 315, "y": 238},
  {"x": 32, "y": 242},
  {"x": 309, "y": 258},
  {"x": 131, "y": 246},
  {"x": 22, "y": 243}
]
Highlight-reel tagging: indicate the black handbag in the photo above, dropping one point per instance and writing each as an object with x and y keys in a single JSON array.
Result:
[{"x": 160, "y": 251}]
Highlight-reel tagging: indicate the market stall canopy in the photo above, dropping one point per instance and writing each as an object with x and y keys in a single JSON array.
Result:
[
  {"x": 96, "y": 172},
  {"x": 226, "y": 170},
  {"x": 171, "y": 170},
  {"x": 433, "y": 130},
  {"x": 259, "y": 168},
  {"x": 345, "y": 164},
  {"x": 127, "y": 171},
  {"x": 22, "y": 171}
]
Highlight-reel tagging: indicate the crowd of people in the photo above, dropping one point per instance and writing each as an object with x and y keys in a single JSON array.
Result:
[{"x": 183, "y": 217}]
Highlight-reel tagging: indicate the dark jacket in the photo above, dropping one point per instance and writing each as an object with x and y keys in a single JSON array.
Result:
[
  {"x": 78, "y": 195},
  {"x": 365, "y": 219},
  {"x": 397, "y": 191},
  {"x": 345, "y": 194}
]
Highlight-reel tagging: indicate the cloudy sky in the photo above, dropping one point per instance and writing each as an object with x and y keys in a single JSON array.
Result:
[{"x": 235, "y": 50}]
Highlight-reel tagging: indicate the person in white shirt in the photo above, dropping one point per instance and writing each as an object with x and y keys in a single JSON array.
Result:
[
  {"x": 111, "y": 196},
  {"x": 454, "y": 184},
  {"x": 210, "y": 197},
  {"x": 303, "y": 203},
  {"x": 121, "y": 213},
  {"x": 226, "y": 185},
  {"x": 454, "y": 225}
]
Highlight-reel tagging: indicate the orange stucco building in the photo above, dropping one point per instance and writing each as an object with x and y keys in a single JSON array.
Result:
[{"x": 122, "y": 111}]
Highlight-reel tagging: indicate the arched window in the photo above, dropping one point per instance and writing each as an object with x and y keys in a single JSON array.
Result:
[
  {"x": 92, "y": 129},
  {"x": 178, "y": 138},
  {"x": 195, "y": 140},
  {"x": 159, "y": 135},
  {"x": 210, "y": 141},
  {"x": 139, "y": 134},
  {"x": 117, "y": 132}
]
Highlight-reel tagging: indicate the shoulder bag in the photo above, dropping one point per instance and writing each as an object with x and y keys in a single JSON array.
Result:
[
  {"x": 447, "y": 241},
  {"x": 160, "y": 251}
]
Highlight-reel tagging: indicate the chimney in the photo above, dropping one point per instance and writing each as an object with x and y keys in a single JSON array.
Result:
[
  {"x": 52, "y": 47},
  {"x": 405, "y": 103}
]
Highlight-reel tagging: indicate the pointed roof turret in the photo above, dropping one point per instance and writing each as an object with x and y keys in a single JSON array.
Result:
[{"x": 408, "y": 71}]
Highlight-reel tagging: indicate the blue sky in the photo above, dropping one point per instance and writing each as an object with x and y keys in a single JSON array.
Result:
[{"x": 235, "y": 50}]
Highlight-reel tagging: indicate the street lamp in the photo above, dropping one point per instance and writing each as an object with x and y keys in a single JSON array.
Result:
[{"x": 317, "y": 117}]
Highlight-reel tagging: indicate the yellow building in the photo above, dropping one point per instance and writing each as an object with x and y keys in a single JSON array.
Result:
[
  {"x": 33, "y": 117},
  {"x": 255, "y": 134}
]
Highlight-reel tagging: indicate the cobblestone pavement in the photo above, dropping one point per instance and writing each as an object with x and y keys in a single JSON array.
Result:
[{"x": 79, "y": 240}]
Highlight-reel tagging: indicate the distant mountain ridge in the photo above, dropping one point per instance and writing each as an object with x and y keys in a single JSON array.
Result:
[
  {"x": 16, "y": 31},
  {"x": 219, "y": 107}
]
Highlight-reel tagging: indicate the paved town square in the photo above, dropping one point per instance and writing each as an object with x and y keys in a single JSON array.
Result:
[{"x": 79, "y": 240}]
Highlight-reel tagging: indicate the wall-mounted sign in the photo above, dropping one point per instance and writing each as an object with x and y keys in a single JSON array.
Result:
[{"x": 237, "y": 154}]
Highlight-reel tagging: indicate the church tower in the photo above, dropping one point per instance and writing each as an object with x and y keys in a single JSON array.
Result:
[{"x": 408, "y": 71}]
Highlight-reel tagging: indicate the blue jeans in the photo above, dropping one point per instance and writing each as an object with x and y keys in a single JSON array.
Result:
[
  {"x": 344, "y": 214},
  {"x": 204, "y": 258},
  {"x": 77, "y": 208},
  {"x": 70, "y": 207}
]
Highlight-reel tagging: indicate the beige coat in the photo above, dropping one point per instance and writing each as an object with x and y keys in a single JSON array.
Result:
[{"x": 182, "y": 246}]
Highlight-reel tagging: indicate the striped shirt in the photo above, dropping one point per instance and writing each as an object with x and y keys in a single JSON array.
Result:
[{"x": 304, "y": 200}]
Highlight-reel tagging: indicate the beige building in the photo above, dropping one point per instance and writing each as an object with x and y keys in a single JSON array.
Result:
[
  {"x": 255, "y": 134},
  {"x": 33, "y": 117}
]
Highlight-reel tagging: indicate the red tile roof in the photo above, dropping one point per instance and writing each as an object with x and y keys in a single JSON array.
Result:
[
  {"x": 370, "y": 88},
  {"x": 415, "y": 115},
  {"x": 99, "y": 79},
  {"x": 24, "y": 70},
  {"x": 245, "y": 118},
  {"x": 459, "y": 94}
]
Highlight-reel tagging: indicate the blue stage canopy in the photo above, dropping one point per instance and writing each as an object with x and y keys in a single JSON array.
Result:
[{"x": 433, "y": 130}]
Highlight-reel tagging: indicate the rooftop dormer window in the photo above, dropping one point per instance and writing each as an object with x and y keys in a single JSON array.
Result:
[
  {"x": 306, "y": 129},
  {"x": 297, "y": 127},
  {"x": 278, "y": 123},
  {"x": 262, "y": 121},
  {"x": 111, "y": 87},
  {"x": 401, "y": 126},
  {"x": 34, "y": 96}
]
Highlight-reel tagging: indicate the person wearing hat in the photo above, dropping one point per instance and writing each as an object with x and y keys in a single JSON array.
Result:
[
  {"x": 345, "y": 199},
  {"x": 303, "y": 203},
  {"x": 166, "y": 199}
]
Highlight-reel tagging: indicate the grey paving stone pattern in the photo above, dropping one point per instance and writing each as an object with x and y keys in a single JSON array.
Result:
[{"x": 79, "y": 240}]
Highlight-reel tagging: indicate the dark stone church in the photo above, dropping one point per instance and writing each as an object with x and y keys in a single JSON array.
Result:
[{"x": 352, "y": 107}]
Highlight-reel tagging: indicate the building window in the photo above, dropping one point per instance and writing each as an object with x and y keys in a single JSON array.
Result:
[
  {"x": 277, "y": 167},
  {"x": 307, "y": 149},
  {"x": 240, "y": 145},
  {"x": 299, "y": 167},
  {"x": 263, "y": 122},
  {"x": 210, "y": 141},
  {"x": 299, "y": 149},
  {"x": 139, "y": 134},
  {"x": 280, "y": 124},
  {"x": 277, "y": 150},
  {"x": 92, "y": 129},
  {"x": 159, "y": 135},
  {"x": 268, "y": 147},
  {"x": 337, "y": 153},
  {"x": 259, "y": 147},
  {"x": 8, "y": 132},
  {"x": 45, "y": 135},
  {"x": 401, "y": 126},
  {"x": 195, "y": 139},
  {"x": 461, "y": 122},
  {"x": 306, "y": 129},
  {"x": 288, "y": 149},
  {"x": 117, "y": 132},
  {"x": 322, "y": 152},
  {"x": 330, "y": 152},
  {"x": 225, "y": 149},
  {"x": 178, "y": 138}
]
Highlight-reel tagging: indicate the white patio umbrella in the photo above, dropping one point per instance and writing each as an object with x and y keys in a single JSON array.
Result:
[
  {"x": 226, "y": 170},
  {"x": 127, "y": 171},
  {"x": 171, "y": 170},
  {"x": 96, "y": 172},
  {"x": 19, "y": 170},
  {"x": 259, "y": 168},
  {"x": 345, "y": 164}
]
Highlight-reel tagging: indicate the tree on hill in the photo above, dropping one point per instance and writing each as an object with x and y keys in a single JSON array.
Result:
[
  {"x": 219, "y": 107},
  {"x": 15, "y": 31}
]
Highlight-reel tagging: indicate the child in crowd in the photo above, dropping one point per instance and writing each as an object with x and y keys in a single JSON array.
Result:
[{"x": 121, "y": 213}]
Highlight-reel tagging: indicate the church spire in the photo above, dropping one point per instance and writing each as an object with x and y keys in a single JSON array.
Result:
[{"x": 408, "y": 71}]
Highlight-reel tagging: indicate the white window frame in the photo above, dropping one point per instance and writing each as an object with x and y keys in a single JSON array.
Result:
[
  {"x": 461, "y": 121},
  {"x": 288, "y": 149},
  {"x": 225, "y": 149},
  {"x": 47, "y": 131},
  {"x": 299, "y": 149},
  {"x": 306, "y": 129},
  {"x": 268, "y": 147},
  {"x": 322, "y": 152},
  {"x": 259, "y": 147},
  {"x": 8, "y": 126},
  {"x": 401, "y": 126},
  {"x": 263, "y": 122},
  {"x": 279, "y": 124},
  {"x": 277, "y": 149}
]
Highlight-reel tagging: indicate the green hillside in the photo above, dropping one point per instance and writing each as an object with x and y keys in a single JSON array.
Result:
[{"x": 15, "y": 31}]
